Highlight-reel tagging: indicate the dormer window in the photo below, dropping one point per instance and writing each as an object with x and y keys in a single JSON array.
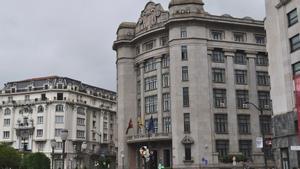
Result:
[
  {"x": 260, "y": 39},
  {"x": 13, "y": 90},
  {"x": 46, "y": 87},
  {"x": 239, "y": 37},
  {"x": 217, "y": 35},
  {"x": 60, "y": 86}
]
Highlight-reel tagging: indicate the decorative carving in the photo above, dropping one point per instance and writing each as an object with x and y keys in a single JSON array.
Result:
[
  {"x": 187, "y": 140},
  {"x": 152, "y": 16}
]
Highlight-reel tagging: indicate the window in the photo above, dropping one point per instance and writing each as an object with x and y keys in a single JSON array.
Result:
[
  {"x": 150, "y": 83},
  {"x": 296, "y": 68},
  {"x": 183, "y": 32},
  {"x": 185, "y": 97},
  {"x": 165, "y": 61},
  {"x": 218, "y": 75},
  {"x": 138, "y": 87},
  {"x": 266, "y": 124},
  {"x": 39, "y": 133},
  {"x": 40, "y": 120},
  {"x": 58, "y": 146},
  {"x": 246, "y": 148},
  {"x": 27, "y": 97},
  {"x": 6, "y": 134},
  {"x": 6, "y": 122},
  {"x": 150, "y": 65},
  {"x": 167, "y": 124},
  {"x": 7, "y": 112},
  {"x": 221, "y": 123},
  {"x": 241, "y": 77},
  {"x": 57, "y": 132},
  {"x": 295, "y": 43},
  {"x": 166, "y": 80},
  {"x": 186, "y": 123},
  {"x": 139, "y": 108},
  {"x": 43, "y": 97},
  {"x": 163, "y": 41},
  {"x": 40, "y": 109},
  {"x": 240, "y": 58},
  {"x": 105, "y": 125},
  {"x": 60, "y": 96},
  {"x": 166, "y": 102},
  {"x": 137, "y": 49},
  {"x": 185, "y": 73},
  {"x": 222, "y": 147},
  {"x": 242, "y": 96},
  {"x": 149, "y": 45},
  {"x": 59, "y": 119},
  {"x": 188, "y": 153},
  {"x": 244, "y": 124},
  {"x": 263, "y": 78},
  {"x": 94, "y": 124},
  {"x": 259, "y": 39},
  {"x": 219, "y": 98},
  {"x": 104, "y": 137},
  {"x": 264, "y": 100},
  {"x": 184, "y": 53},
  {"x": 81, "y": 111},
  {"x": 80, "y": 121},
  {"x": 292, "y": 17},
  {"x": 218, "y": 56},
  {"x": 59, "y": 108},
  {"x": 80, "y": 134},
  {"x": 151, "y": 104},
  {"x": 262, "y": 59},
  {"x": 239, "y": 37},
  {"x": 10, "y": 99},
  {"x": 217, "y": 35}
]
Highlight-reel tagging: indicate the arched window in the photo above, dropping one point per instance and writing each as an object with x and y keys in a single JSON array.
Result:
[
  {"x": 80, "y": 110},
  {"x": 40, "y": 109},
  {"x": 7, "y": 112},
  {"x": 59, "y": 108}
]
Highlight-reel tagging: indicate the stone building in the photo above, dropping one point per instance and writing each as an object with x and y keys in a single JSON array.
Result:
[
  {"x": 33, "y": 112},
  {"x": 193, "y": 73},
  {"x": 283, "y": 37}
]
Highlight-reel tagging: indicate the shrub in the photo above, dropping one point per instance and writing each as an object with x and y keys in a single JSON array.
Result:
[
  {"x": 9, "y": 157},
  {"x": 36, "y": 161}
]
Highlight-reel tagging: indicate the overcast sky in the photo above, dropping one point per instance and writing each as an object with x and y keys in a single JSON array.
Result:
[{"x": 74, "y": 38}]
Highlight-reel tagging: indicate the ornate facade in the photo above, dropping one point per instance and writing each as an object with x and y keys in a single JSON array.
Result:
[
  {"x": 193, "y": 73},
  {"x": 34, "y": 111}
]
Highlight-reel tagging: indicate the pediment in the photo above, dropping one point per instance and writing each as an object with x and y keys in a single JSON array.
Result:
[
  {"x": 152, "y": 16},
  {"x": 187, "y": 140}
]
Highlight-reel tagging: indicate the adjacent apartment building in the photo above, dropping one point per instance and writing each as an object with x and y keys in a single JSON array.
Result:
[
  {"x": 283, "y": 36},
  {"x": 33, "y": 112},
  {"x": 193, "y": 73}
]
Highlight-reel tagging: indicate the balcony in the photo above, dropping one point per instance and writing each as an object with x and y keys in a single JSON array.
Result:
[{"x": 145, "y": 137}]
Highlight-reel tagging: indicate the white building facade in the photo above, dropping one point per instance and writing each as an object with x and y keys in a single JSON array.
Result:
[
  {"x": 193, "y": 73},
  {"x": 283, "y": 37},
  {"x": 35, "y": 111}
]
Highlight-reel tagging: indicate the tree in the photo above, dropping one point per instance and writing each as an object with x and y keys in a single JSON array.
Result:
[
  {"x": 36, "y": 161},
  {"x": 9, "y": 157}
]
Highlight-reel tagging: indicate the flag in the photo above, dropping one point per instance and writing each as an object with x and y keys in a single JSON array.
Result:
[
  {"x": 140, "y": 123},
  {"x": 130, "y": 125},
  {"x": 151, "y": 125}
]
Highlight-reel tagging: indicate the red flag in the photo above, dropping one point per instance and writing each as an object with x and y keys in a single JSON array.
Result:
[
  {"x": 297, "y": 94},
  {"x": 130, "y": 125}
]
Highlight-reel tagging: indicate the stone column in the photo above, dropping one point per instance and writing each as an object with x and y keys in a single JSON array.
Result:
[
  {"x": 159, "y": 94},
  {"x": 231, "y": 104},
  {"x": 253, "y": 98},
  {"x": 142, "y": 96}
]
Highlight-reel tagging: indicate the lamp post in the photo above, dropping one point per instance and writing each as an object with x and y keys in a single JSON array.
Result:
[
  {"x": 260, "y": 109},
  {"x": 83, "y": 148},
  {"x": 53, "y": 143},
  {"x": 123, "y": 157},
  {"x": 64, "y": 136}
]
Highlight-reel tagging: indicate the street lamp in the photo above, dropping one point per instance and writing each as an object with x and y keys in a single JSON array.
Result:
[
  {"x": 123, "y": 157},
  {"x": 53, "y": 144},
  {"x": 64, "y": 136},
  {"x": 260, "y": 109}
]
